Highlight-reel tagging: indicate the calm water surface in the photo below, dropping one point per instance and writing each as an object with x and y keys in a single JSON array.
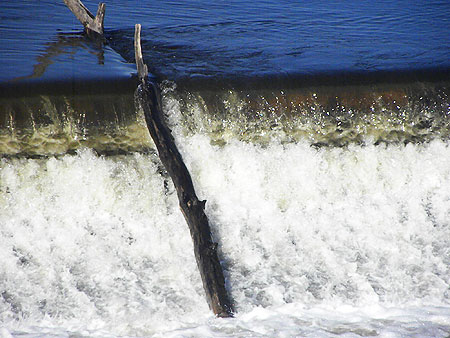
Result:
[{"x": 41, "y": 40}]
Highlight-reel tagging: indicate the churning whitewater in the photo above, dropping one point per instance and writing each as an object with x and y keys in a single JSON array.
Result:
[{"x": 315, "y": 241}]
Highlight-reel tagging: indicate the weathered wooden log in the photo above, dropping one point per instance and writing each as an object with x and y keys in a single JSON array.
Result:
[
  {"x": 148, "y": 99},
  {"x": 93, "y": 25}
]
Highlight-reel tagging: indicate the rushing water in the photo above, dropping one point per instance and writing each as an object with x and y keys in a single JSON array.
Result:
[
  {"x": 317, "y": 133},
  {"x": 324, "y": 242}
]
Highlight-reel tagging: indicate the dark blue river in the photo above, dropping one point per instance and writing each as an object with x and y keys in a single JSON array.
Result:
[{"x": 189, "y": 39}]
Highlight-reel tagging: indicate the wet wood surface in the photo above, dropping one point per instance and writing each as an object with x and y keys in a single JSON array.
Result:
[{"x": 148, "y": 99}]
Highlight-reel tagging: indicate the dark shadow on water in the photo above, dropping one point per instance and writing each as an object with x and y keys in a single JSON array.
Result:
[
  {"x": 74, "y": 64},
  {"x": 65, "y": 44}
]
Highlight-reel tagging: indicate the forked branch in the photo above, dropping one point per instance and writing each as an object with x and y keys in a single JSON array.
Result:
[{"x": 91, "y": 23}]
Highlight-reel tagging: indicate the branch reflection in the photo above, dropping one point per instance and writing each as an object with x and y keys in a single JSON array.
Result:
[{"x": 66, "y": 44}]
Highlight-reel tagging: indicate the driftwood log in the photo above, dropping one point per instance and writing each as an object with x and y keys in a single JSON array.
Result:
[
  {"x": 93, "y": 25},
  {"x": 147, "y": 98}
]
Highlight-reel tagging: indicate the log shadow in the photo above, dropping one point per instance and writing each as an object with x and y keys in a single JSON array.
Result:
[{"x": 65, "y": 44}]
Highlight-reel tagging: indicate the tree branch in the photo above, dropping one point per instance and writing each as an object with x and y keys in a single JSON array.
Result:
[
  {"x": 91, "y": 23},
  {"x": 140, "y": 65},
  {"x": 148, "y": 99}
]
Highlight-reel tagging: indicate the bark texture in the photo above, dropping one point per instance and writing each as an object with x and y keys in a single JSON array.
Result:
[
  {"x": 148, "y": 99},
  {"x": 93, "y": 25}
]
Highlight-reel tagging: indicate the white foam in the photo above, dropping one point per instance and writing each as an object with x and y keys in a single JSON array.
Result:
[
  {"x": 359, "y": 225},
  {"x": 93, "y": 242},
  {"x": 336, "y": 241}
]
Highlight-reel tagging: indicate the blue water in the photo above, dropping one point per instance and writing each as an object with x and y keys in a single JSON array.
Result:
[{"x": 41, "y": 40}]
